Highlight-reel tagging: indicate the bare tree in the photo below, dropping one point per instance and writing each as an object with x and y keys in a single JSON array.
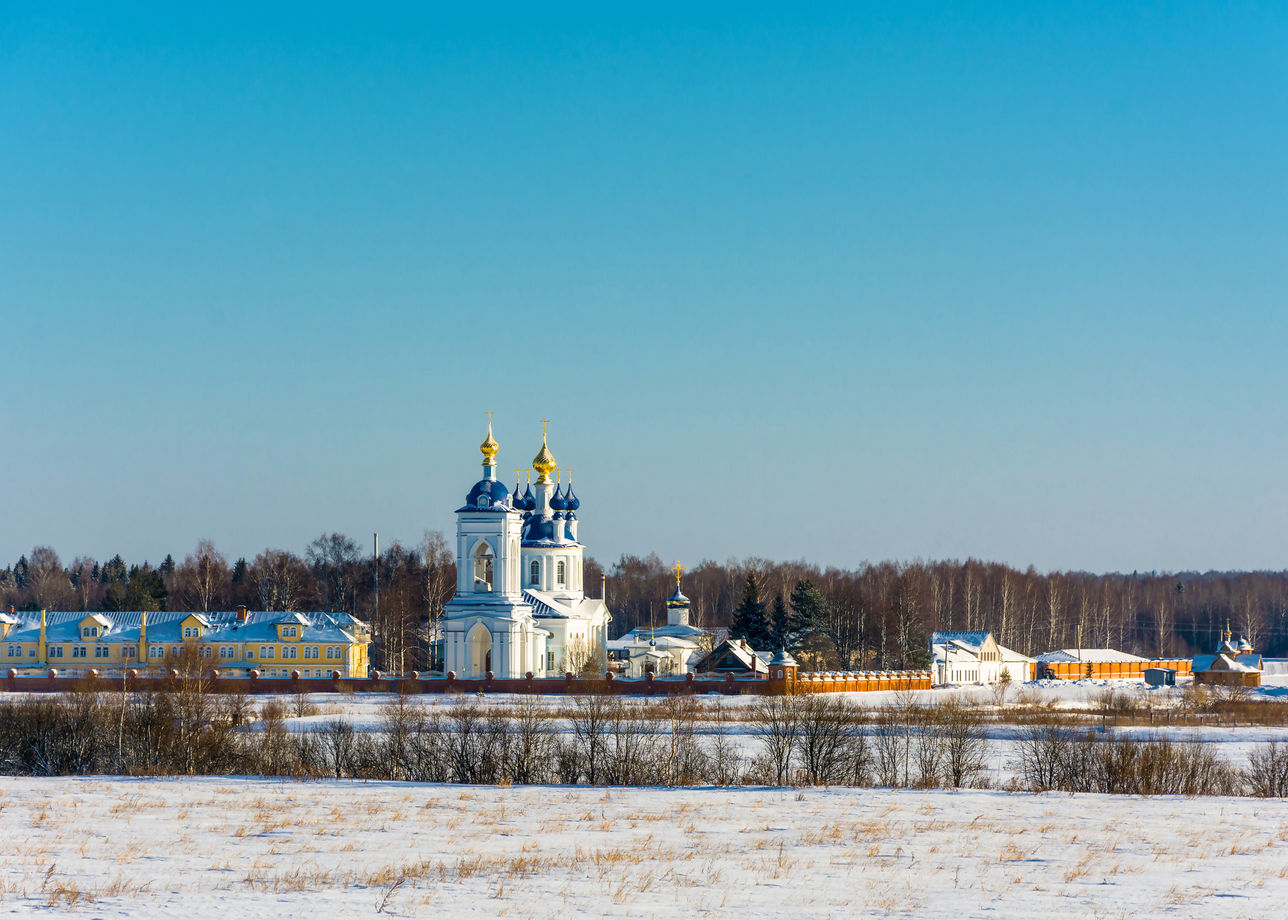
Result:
[
  {"x": 204, "y": 576},
  {"x": 48, "y": 583}
]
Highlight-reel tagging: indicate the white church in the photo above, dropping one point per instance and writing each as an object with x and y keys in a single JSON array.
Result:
[{"x": 520, "y": 604}]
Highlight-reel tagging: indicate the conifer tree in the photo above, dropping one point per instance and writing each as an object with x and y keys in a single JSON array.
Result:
[
  {"x": 782, "y": 625},
  {"x": 749, "y": 620},
  {"x": 809, "y": 610}
]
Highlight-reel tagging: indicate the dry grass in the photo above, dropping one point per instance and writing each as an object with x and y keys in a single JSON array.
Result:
[{"x": 538, "y": 851}]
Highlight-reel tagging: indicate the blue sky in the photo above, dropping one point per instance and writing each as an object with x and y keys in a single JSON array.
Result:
[{"x": 863, "y": 282}]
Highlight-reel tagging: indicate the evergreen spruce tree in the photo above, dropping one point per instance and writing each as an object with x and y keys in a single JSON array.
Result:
[
  {"x": 749, "y": 620},
  {"x": 782, "y": 625},
  {"x": 114, "y": 570},
  {"x": 809, "y": 611}
]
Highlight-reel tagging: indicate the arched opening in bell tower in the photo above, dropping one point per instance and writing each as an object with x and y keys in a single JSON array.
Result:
[{"x": 484, "y": 561}]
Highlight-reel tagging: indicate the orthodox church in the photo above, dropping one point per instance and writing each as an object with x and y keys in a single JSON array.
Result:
[
  {"x": 669, "y": 649},
  {"x": 520, "y": 604}
]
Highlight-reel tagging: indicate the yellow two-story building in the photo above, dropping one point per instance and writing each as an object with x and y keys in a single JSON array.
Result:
[{"x": 274, "y": 643}]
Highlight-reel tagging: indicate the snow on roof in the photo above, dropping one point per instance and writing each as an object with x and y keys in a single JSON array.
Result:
[
  {"x": 1225, "y": 662},
  {"x": 972, "y": 640},
  {"x": 1084, "y": 655},
  {"x": 544, "y": 604},
  {"x": 164, "y": 626},
  {"x": 1011, "y": 655}
]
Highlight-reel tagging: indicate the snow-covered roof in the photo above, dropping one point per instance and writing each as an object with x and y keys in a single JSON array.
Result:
[
  {"x": 164, "y": 626},
  {"x": 632, "y": 640},
  {"x": 783, "y": 659},
  {"x": 724, "y": 654},
  {"x": 677, "y": 631},
  {"x": 1084, "y": 655},
  {"x": 546, "y": 605},
  {"x": 1226, "y": 662},
  {"x": 1012, "y": 655},
  {"x": 970, "y": 640}
]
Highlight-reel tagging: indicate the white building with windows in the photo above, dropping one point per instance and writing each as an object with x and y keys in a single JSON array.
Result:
[
  {"x": 975, "y": 658},
  {"x": 520, "y": 604},
  {"x": 671, "y": 649}
]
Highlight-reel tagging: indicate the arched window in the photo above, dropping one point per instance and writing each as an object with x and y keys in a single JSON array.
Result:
[
  {"x": 561, "y": 573},
  {"x": 534, "y": 572},
  {"x": 483, "y": 560}
]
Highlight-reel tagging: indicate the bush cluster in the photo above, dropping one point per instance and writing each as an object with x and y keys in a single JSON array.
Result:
[{"x": 601, "y": 739}]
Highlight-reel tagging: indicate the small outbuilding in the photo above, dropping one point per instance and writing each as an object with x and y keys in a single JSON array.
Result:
[{"x": 1160, "y": 677}]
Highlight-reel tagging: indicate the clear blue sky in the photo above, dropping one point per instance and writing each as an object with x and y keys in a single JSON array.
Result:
[{"x": 909, "y": 280}]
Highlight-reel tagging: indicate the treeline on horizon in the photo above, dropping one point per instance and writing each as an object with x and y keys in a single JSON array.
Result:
[{"x": 877, "y": 615}]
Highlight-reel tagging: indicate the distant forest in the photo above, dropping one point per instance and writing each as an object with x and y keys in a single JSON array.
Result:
[{"x": 876, "y": 615}]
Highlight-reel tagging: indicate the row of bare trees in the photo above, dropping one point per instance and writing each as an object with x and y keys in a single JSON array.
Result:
[
  {"x": 875, "y": 615},
  {"x": 334, "y": 574},
  {"x": 809, "y": 740},
  {"x": 881, "y": 614}
]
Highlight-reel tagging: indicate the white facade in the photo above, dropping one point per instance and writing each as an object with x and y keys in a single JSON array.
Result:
[
  {"x": 665, "y": 650},
  {"x": 974, "y": 658},
  {"x": 520, "y": 605}
]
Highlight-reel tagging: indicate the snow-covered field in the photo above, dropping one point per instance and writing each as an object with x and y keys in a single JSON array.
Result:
[
  {"x": 367, "y": 712},
  {"x": 224, "y": 848}
]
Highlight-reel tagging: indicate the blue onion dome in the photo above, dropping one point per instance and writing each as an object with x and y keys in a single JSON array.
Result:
[
  {"x": 677, "y": 599},
  {"x": 557, "y": 501},
  {"x": 488, "y": 493},
  {"x": 571, "y": 499},
  {"x": 529, "y": 501}
]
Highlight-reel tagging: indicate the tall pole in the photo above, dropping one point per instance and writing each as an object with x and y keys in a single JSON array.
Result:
[{"x": 375, "y": 577}]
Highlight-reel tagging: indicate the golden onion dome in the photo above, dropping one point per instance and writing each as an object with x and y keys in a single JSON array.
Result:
[
  {"x": 544, "y": 461},
  {"x": 489, "y": 447}
]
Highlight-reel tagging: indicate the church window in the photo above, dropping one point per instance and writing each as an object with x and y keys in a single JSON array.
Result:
[
  {"x": 550, "y": 661},
  {"x": 483, "y": 560},
  {"x": 207, "y": 651},
  {"x": 561, "y": 573},
  {"x": 534, "y": 572}
]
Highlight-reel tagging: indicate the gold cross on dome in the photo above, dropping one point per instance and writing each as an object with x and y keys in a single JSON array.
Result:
[
  {"x": 678, "y": 570},
  {"x": 544, "y": 423}
]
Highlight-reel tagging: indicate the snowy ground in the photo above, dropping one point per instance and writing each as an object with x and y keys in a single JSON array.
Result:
[
  {"x": 223, "y": 847},
  {"x": 366, "y": 713}
]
